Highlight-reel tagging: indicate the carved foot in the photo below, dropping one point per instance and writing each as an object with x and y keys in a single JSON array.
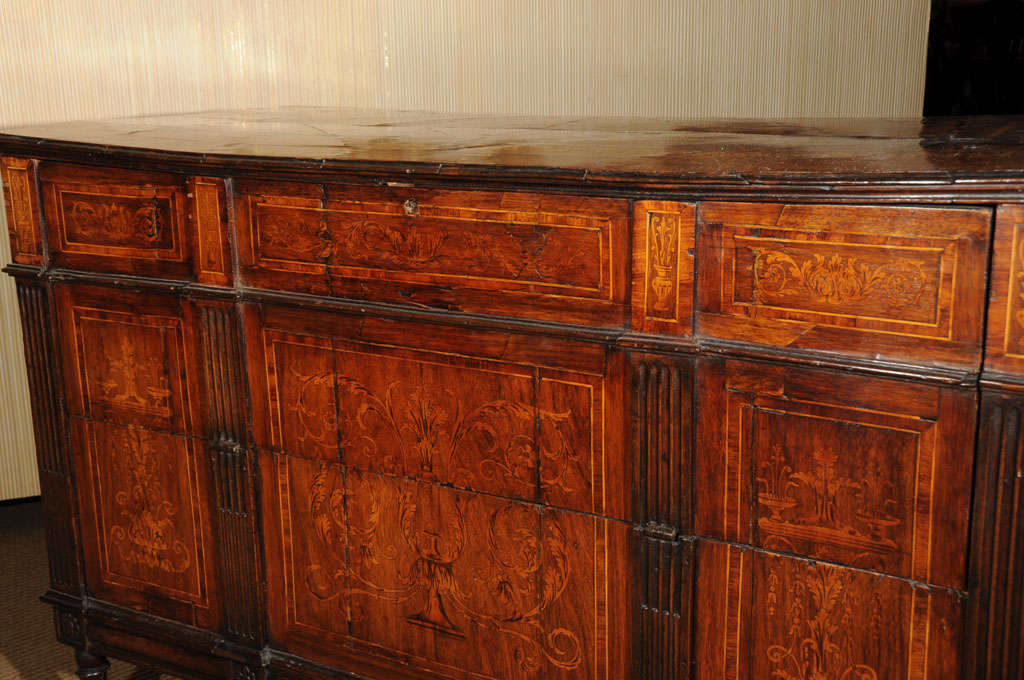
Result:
[{"x": 91, "y": 666}]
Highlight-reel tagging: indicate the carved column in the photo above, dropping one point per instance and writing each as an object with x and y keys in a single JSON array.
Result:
[
  {"x": 996, "y": 585},
  {"x": 234, "y": 472},
  {"x": 662, "y": 444}
]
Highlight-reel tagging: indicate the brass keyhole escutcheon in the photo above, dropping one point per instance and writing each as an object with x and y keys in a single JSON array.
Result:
[{"x": 411, "y": 207}]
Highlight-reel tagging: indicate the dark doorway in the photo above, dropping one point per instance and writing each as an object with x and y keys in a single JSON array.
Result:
[{"x": 975, "y": 58}]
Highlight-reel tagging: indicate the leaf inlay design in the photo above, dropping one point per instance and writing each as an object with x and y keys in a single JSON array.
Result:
[
  {"x": 526, "y": 571},
  {"x": 149, "y": 537},
  {"x": 837, "y": 279}
]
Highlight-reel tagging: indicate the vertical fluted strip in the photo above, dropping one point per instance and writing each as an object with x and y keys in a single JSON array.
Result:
[
  {"x": 662, "y": 398},
  {"x": 996, "y": 597},
  {"x": 49, "y": 425},
  {"x": 233, "y": 472}
]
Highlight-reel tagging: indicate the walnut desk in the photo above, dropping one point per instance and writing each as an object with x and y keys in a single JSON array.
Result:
[{"x": 345, "y": 393}]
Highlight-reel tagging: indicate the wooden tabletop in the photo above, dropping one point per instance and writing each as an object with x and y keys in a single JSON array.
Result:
[{"x": 607, "y": 149}]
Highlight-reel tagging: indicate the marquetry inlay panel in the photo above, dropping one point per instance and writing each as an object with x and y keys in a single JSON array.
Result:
[
  {"x": 512, "y": 430},
  {"x": 1004, "y": 352},
  {"x": 895, "y": 282},
  {"x": 462, "y": 582},
  {"x": 548, "y": 252},
  {"x": 806, "y": 464},
  {"x": 663, "y": 267},
  {"x": 772, "y": 616},
  {"x": 126, "y": 362},
  {"x": 118, "y": 221},
  {"x": 208, "y": 203},
  {"x": 19, "y": 185},
  {"x": 144, "y": 505}
]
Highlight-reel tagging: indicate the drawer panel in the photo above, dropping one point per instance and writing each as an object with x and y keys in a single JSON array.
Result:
[
  {"x": 508, "y": 415},
  {"x": 561, "y": 258},
  {"x": 867, "y": 472},
  {"x": 131, "y": 222},
  {"x": 896, "y": 283},
  {"x": 770, "y": 616}
]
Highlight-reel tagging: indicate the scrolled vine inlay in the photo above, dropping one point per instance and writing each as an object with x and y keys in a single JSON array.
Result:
[
  {"x": 118, "y": 219},
  {"x": 428, "y": 568},
  {"x": 837, "y": 279},
  {"x": 148, "y": 536},
  {"x": 821, "y": 644}
]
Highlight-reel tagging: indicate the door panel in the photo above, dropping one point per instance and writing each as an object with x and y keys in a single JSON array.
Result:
[
  {"x": 863, "y": 471},
  {"x": 145, "y": 493},
  {"x": 771, "y": 616},
  {"x": 448, "y": 504}
]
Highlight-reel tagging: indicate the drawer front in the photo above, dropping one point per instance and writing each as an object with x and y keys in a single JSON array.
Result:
[
  {"x": 866, "y": 472},
  {"x": 145, "y": 493},
  {"x": 771, "y": 616},
  {"x": 557, "y": 258},
  {"x": 439, "y": 505},
  {"x": 896, "y": 283},
  {"x": 153, "y": 224}
]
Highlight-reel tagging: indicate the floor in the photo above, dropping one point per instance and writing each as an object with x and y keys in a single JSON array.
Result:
[{"x": 28, "y": 648}]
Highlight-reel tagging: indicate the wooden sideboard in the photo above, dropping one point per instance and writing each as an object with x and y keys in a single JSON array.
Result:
[{"x": 340, "y": 393}]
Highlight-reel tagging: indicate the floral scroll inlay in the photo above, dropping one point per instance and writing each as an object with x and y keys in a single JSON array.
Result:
[
  {"x": 137, "y": 221},
  {"x": 526, "y": 571},
  {"x": 425, "y": 429},
  {"x": 822, "y": 634},
  {"x": 147, "y": 536},
  {"x": 837, "y": 279}
]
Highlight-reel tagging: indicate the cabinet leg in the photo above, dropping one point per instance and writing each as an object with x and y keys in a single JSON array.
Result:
[{"x": 91, "y": 666}]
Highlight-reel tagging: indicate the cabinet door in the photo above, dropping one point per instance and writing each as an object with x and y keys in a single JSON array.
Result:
[
  {"x": 862, "y": 471},
  {"x": 440, "y": 497},
  {"x": 898, "y": 283},
  {"x": 143, "y": 473}
]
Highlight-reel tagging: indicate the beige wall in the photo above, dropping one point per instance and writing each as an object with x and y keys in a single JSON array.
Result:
[{"x": 77, "y": 59}]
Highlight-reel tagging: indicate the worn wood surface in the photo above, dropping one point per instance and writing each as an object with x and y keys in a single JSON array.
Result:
[
  {"x": 620, "y": 149},
  {"x": 460, "y": 397}
]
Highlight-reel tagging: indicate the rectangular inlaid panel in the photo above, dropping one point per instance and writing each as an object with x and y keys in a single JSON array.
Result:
[
  {"x": 1004, "y": 351},
  {"x": 869, "y": 472},
  {"x": 882, "y": 282},
  {"x": 461, "y": 584},
  {"x": 763, "y": 615},
  {"x": 208, "y": 200},
  {"x": 117, "y": 220},
  {"x": 471, "y": 411},
  {"x": 146, "y": 520},
  {"x": 663, "y": 254},
  {"x": 548, "y": 256},
  {"x": 19, "y": 183},
  {"x": 129, "y": 358}
]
